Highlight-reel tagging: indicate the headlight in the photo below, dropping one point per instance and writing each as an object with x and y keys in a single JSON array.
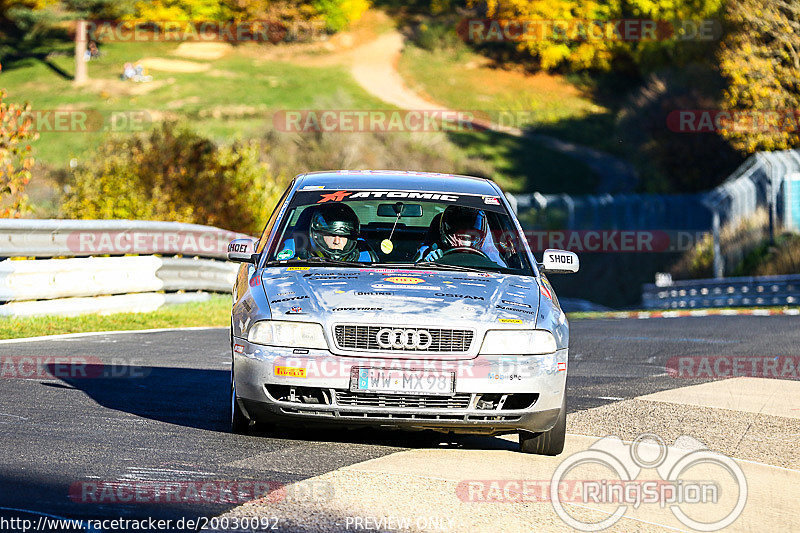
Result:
[
  {"x": 518, "y": 342},
  {"x": 288, "y": 334}
]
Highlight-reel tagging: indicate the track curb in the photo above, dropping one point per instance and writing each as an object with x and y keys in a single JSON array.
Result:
[{"x": 684, "y": 313}]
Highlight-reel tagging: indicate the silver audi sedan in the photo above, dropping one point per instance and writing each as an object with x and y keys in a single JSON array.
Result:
[{"x": 399, "y": 299}]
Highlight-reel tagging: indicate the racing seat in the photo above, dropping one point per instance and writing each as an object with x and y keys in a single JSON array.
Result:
[{"x": 432, "y": 235}]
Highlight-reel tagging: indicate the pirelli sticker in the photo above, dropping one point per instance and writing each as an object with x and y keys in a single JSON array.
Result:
[
  {"x": 290, "y": 372},
  {"x": 308, "y": 196}
]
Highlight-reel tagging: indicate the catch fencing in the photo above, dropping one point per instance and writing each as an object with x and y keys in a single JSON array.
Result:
[
  {"x": 768, "y": 180},
  {"x": 77, "y": 266}
]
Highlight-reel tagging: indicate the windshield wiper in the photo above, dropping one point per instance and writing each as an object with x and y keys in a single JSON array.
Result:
[
  {"x": 431, "y": 265},
  {"x": 322, "y": 261},
  {"x": 445, "y": 266}
]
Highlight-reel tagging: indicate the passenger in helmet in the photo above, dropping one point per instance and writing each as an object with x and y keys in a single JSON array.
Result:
[
  {"x": 329, "y": 231},
  {"x": 459, "y": 227},
  {"x": 333, "y": 232}
]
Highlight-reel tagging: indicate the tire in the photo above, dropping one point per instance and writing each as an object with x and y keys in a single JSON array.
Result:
[
  {"x": 239, "y": 422},
  {"x": 547, "y": 442}
]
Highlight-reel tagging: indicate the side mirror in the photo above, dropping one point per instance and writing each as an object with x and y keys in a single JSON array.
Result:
[
  {"x": 241, "y": 250},
  {"x": 560, "y": 262}
]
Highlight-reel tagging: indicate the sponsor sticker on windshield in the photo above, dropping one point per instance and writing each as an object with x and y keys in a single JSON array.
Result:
[
  {"x": 337, "y": 196},
  {"x": 306, "y": 196}
]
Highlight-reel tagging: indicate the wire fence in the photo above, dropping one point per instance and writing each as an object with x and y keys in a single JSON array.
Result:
[{"x": 768, "y": 180}]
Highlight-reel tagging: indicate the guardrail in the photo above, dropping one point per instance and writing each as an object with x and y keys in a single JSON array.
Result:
[
  {"x": 98, "y": 276},
  {"x": 85, "y": 238},
  {"x": 727, "y": 292},
  {"x": 72, "y": 281}
]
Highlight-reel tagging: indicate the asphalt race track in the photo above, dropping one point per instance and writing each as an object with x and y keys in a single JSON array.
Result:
[{"x": 153, "y": 407}]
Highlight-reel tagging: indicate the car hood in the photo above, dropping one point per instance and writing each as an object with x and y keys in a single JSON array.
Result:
[{"x": 400, "y": 297}]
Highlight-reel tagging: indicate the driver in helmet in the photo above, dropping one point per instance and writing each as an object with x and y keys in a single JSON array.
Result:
[
  {"x": 334, "y": 234},
  {"x": 459, "y": 227}
]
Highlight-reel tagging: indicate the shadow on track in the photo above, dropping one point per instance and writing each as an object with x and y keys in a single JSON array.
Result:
[{"x": 198, "y": 398}]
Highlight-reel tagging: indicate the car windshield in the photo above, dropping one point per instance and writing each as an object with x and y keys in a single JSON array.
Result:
[{"x": 421, "y": 229}]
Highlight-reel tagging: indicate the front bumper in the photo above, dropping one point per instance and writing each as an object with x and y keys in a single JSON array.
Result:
[{"x": 493, "y": 394}]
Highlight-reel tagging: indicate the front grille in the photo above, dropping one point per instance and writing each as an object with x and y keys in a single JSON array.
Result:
[
  {"x": 354, "y": 337},
  {"x": 457, "y": 401}
]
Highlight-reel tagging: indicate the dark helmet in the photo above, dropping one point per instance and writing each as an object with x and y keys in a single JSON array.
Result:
[
  {"x": 463, "y": 226},
  {"x": 334, "y": 219}
]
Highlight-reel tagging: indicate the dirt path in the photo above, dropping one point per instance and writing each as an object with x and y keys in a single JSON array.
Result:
[{"x": 375, "y": 69}]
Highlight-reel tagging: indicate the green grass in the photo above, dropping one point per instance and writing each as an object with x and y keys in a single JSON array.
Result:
[
  {"x": 237, "y": 95},
  {"x": 214, "y": 312},
  {"x": 464, "y": 80},
  {"x": 461, "y": 80},
  {"x": 522, "y": 165},
  {"x": 239, "y": 88}
]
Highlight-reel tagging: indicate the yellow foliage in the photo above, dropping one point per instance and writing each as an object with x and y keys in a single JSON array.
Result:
[
  {"x": 553, "y": 50},
  {"x": 762, "y": 63},
  {"x": 16, "y": 131},
  {"x": 174, "y": 174}
]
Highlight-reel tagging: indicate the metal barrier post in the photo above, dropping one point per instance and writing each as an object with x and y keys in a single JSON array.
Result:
[{"x": 719, "y": 265}]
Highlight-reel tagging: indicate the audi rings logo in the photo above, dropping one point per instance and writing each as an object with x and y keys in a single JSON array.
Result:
[{"x": 409, "y": 339}]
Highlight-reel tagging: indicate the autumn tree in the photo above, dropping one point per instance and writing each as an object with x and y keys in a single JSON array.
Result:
[
  {"x": 582, "y": 47},
  {"x": 16, "y": 132},
  {"x": 761, "y": 59}
]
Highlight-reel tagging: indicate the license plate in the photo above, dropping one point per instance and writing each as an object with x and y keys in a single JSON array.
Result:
[{"x": 402, "y": 381}]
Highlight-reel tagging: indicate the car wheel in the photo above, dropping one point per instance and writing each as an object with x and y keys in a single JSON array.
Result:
[
  {"x": 547, "y": 442},
  {"x": 239, "y": 422}
]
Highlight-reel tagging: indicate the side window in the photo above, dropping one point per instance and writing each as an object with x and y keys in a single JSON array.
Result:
[
  {"x": 506, "y": 241},
  {"x": 262, "y": 242}
]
